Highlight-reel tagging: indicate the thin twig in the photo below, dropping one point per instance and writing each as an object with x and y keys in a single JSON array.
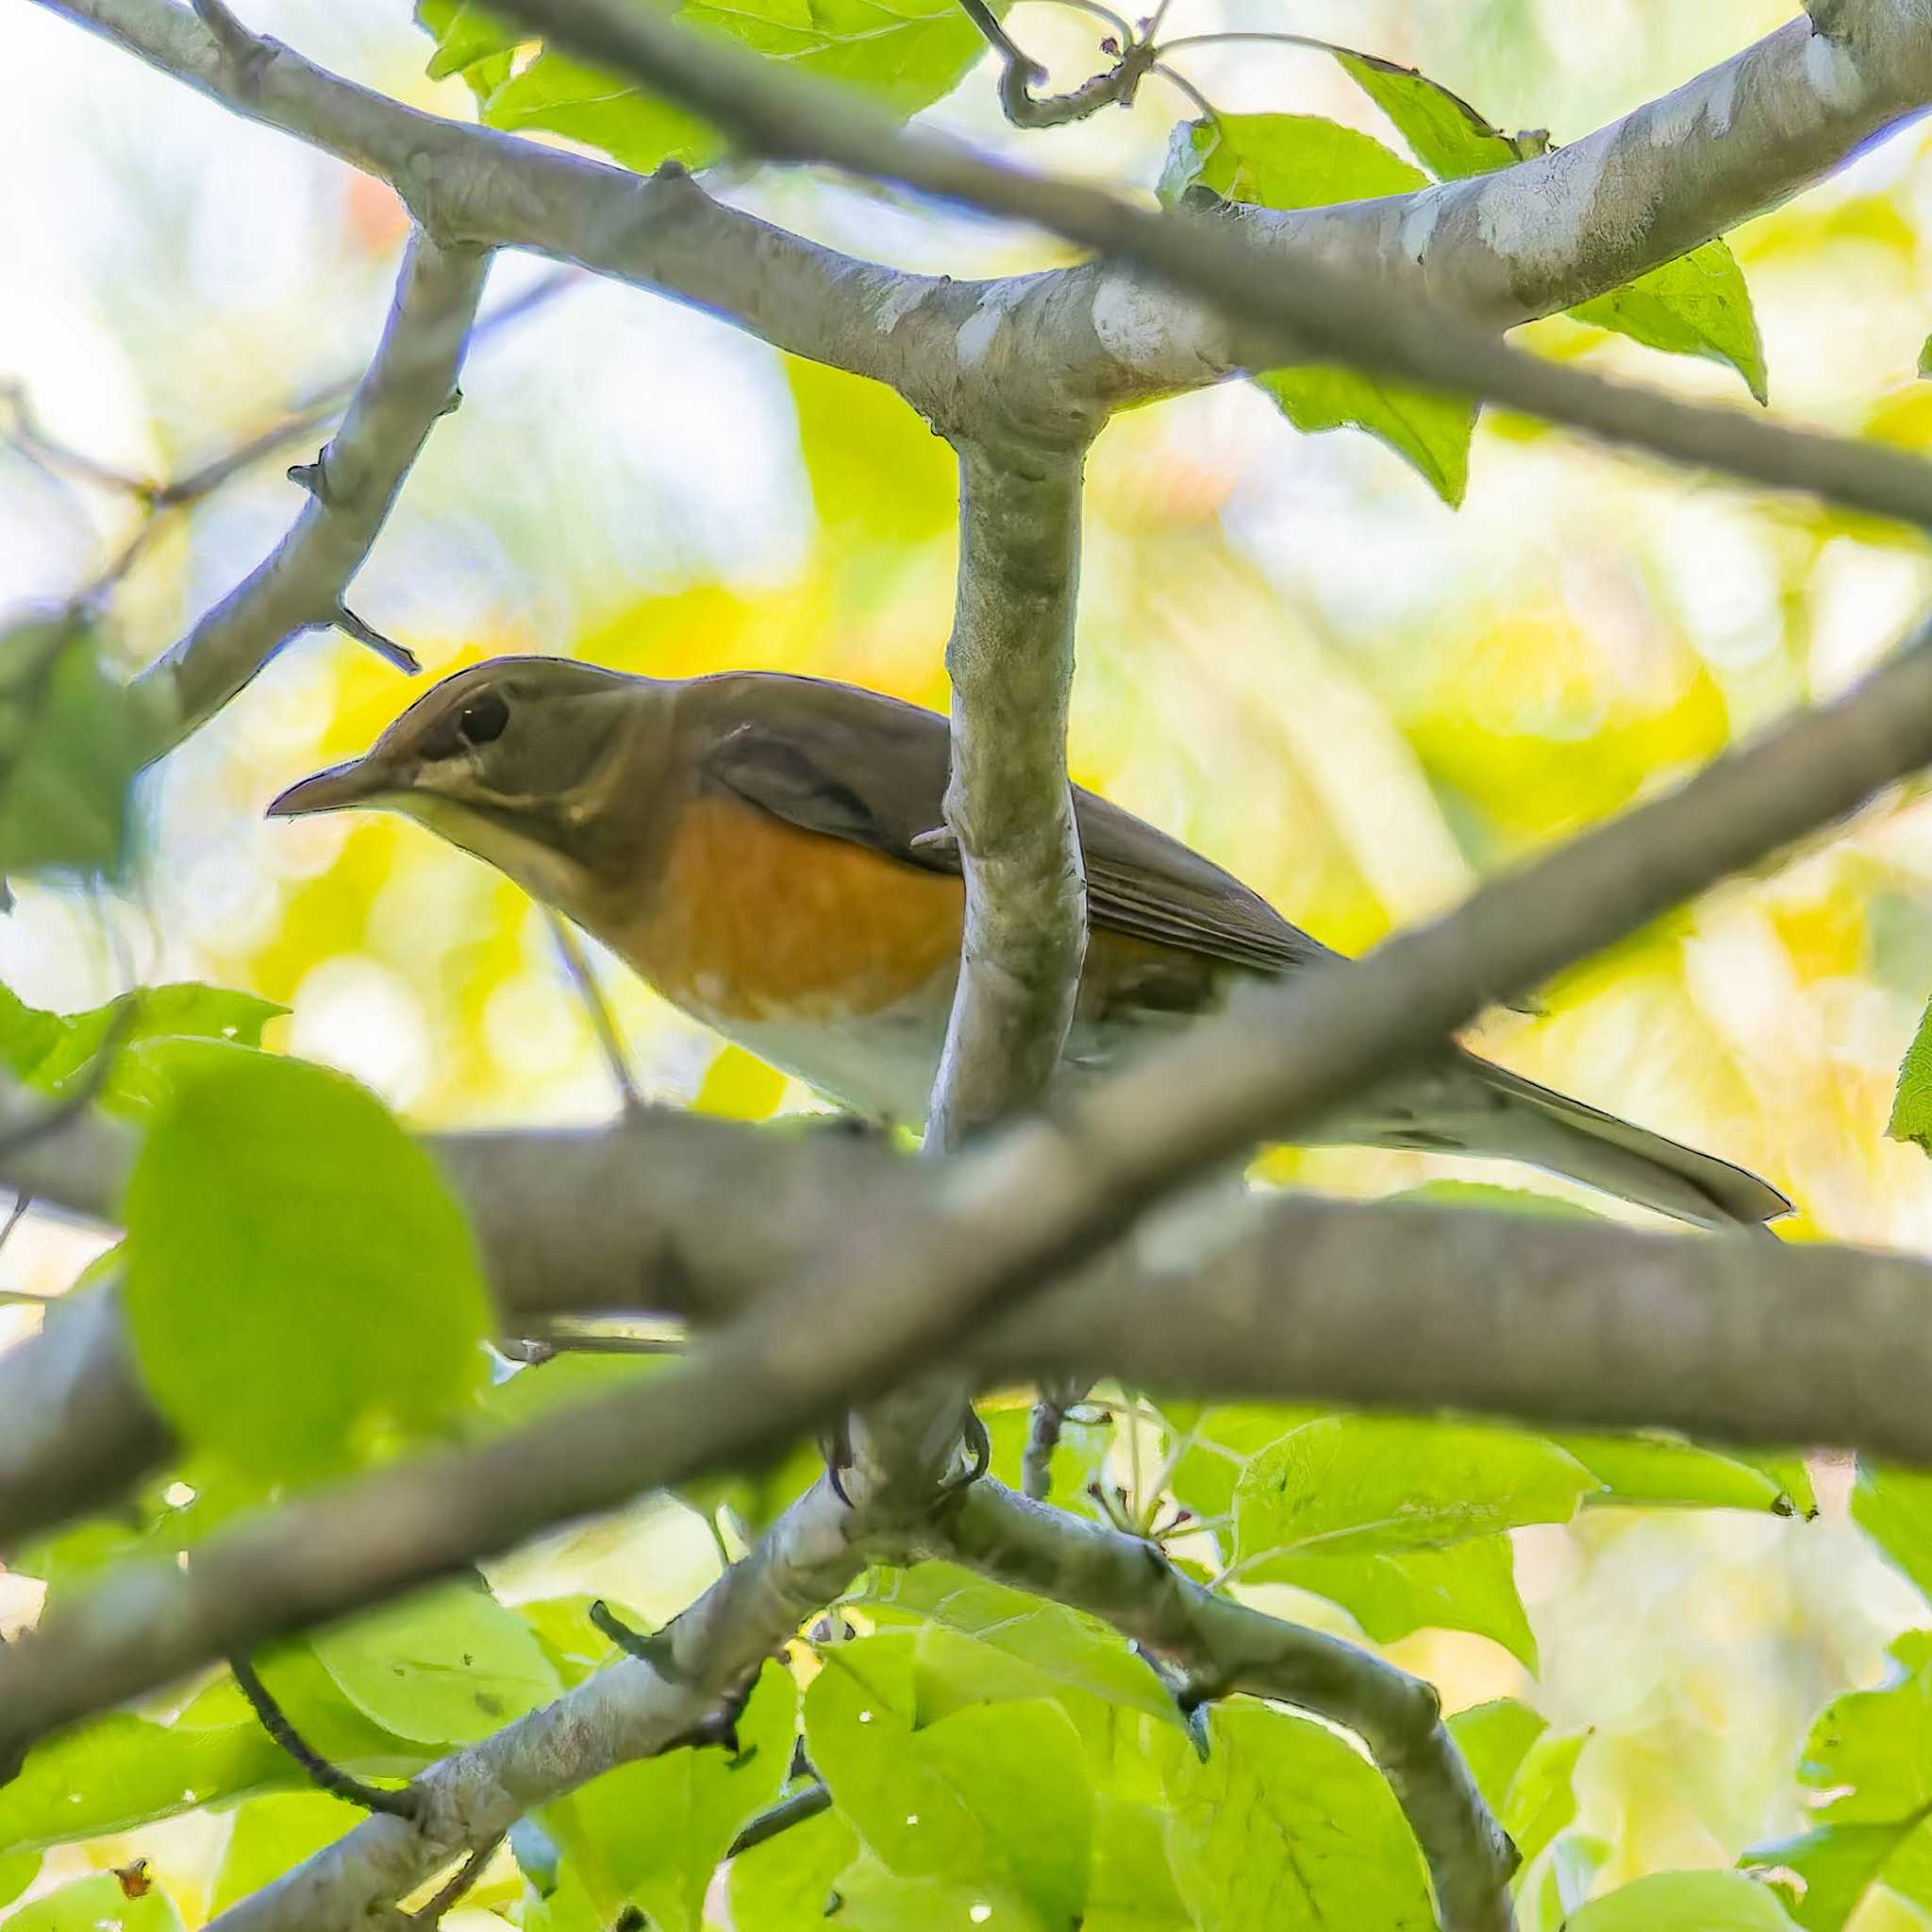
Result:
[
  {"x": 329, "y": 1778},
  {"x": 809, "y": 1801},
  {"x": 456, "y": 1886},
  {"x": 610, "y": 1040},
  {"x": 1019, "y": 73}
]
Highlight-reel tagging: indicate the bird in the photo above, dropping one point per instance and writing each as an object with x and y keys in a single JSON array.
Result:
[{"x": 769, "y": 853}]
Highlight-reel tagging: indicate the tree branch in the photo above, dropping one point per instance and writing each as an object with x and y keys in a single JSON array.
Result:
[
  {"x": 1291, "y": 304},
  {"x": 629, "y": 1710},
  {"x": 1008, "y": 804},
  {"x": 1226, "y": 1647},
  {"x": 301, "y": 585}
]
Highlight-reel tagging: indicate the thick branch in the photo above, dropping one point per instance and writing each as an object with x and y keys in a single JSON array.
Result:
[
  {"x": 1009, "y": 803},
  {"x": 352, "y": 485},
  {"x": 1226, "y": 1647},
  {"x": 1289, "y": 305}
]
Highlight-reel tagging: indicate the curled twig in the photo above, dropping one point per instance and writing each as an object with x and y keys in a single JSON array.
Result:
[{"x": 329, "y": 1778}]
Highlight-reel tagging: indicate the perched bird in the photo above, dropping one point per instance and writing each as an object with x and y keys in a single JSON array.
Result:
[{"x": 768, "y": 852}]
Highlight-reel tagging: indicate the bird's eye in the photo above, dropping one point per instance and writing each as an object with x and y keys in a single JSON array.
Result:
[{"x": 482, "y": 720}]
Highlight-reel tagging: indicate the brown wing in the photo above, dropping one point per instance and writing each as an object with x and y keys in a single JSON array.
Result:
[{"x": 852, "y": 764}]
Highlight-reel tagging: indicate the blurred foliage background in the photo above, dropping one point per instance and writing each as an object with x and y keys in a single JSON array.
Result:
[{"x": 1292, "y": 654}]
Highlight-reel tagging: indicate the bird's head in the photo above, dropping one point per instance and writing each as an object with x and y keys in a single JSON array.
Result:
[{"x": 516, "y": 760}]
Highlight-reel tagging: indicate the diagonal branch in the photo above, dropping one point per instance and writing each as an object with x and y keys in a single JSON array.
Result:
[
  {"x": 1226, "y": 1647},
  {"x": 1289, "y": 305},
  {"x": 351, "y": 486}
]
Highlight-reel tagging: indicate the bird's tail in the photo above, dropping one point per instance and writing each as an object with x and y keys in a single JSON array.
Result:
[{"x": 1490, "y": 1110}]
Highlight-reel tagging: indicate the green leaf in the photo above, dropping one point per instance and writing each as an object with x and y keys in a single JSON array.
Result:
[
  {"x": 1695, "y": 305},
  {"x": 1868, "y": 1760},
  {"x": 18, "y": 1870},
  {"x": 72, "y": 739},
  {"x": 903, "y": 55},
  {"x": 1356, "y": 1484},
  {"x": 873, "y": 1898},
  {"x": 1285, "y": 1828},
  {"x": 784, "y": 1884},
  {"x": 1300, "y": 161},
  {"x": 1218, "y": 1445},
  {"x": 1132, "y": 1889},
  {"x": 1911, "y": 1105},
  {"x": 653, "y": 1832},
  {"x": 1498, "y": 1200},
  {"x": 995, "y": 1797},
  {"x": 271, "y": 1836},
  {"x": 1893, "y": 1507},
  {"x": 300, "y": 1284},
  {"x": 446, "y": 1665},
  {"x": 1541, "y": 1799},
  {"x": 55, "y": 1052},
  {"x": 118, "y": 1771},
  {"x": 1925, "y": 357},
  {"x": 1494, "y": 1739},
  {"x": 90, "y": 1904},
  {"x": 1685, "y": 1902},
  {"x": 1468, "y": 1586},
  {"x": 1062, "y": 1648},
  {"x": 467, "y": 37},
  {"x": 1659, "y": 1470},
  {"x": 1446, "y": 135}
]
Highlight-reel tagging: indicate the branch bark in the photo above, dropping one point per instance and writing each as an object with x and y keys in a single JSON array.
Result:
[
  {"x": 351, "y": 486},
  {"x": 1009, "y": 803},
  {"x": 629, "y": 1710},
  {"x": 1226, "y": 1647}
]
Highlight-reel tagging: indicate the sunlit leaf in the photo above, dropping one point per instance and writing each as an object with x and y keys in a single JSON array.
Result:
[
  {"x": 1446, "y": 135},
  {"x": 1468, "y": 1586},
  {"x": 1285, "y": 1828},
  {"x": 1300, "y": 161},
  {"x": 1353, "y": 1484},
  {"x": 447, "y": 1666},
  {"x": 300, "y": 1284},
  {"x": 90, "y": 1904},
  {"x": 995, "y": 1796},
  {"x": 1542, "y": 1798},
  {"x": 652, "y": 1833},
  {"x": 1911, "y": 1103},
  {"x": 1695, "y": 305},
  {"x": 55, "y": 1052},
  {"x": 1655, "y": 1470},
  {"x": 1893, "y": 1507},
  {"x": 1685, "y": 1902},
  {"x": 902, "y": 57},
  {"x": 271, "y": 1836},
  {"x": 1063, "y": 1648},
  {"x": 118, "y": 1771},
  {"x": 786, "y": 1884},
  {"x": 1494, "y": 1737},
  {"x": 1868, "y": 1766}
]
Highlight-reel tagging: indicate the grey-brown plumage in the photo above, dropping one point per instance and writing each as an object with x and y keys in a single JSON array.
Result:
[{"x": 768, "y": 851}]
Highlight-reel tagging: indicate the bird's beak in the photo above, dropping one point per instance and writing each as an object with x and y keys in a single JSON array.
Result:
[{"x": 359, "y": 782}]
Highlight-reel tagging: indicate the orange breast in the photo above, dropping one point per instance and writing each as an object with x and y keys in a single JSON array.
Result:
[{"x": 755, "y": 919}]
